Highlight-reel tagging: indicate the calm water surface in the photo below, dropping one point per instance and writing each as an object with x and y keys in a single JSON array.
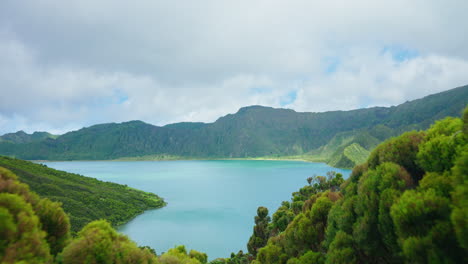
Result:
[{"x": 211, "y": 204}]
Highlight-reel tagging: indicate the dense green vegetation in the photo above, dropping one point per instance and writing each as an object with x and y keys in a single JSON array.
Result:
[
  {"x": 408, "y": 203},
  {"x": 31, "y": 228},
  {"x": 37, "y": 230},
  {"x": 84, "y": 199},
  {"x": 340, "y": 138}
]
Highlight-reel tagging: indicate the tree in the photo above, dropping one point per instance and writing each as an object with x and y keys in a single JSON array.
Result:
[
  {"x": 98, "y": 242},
  {"x": 178, "y": 255},
  {"x": 260, "y": 234},
  {"x": 459, "y": 216},
  {"x": 422, "y": 223},
  {"x": 342, "y": 250},
  {"x": 21, "y": 236},
  {"x": 55, "y": 223},
  {"x": 401, "y": 150}
]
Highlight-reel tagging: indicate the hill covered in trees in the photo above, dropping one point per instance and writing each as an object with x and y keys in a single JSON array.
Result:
[
  {"x": 340, "y": 138},
  {"x": 84, "y": 199},
  {"x": 37, "y": 230},
  {"x": 408, "y": 203}
]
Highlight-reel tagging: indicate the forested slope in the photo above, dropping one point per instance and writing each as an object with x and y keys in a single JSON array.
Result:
[
  {"x": 408, "y": 203},
  {"x": 37, "y": 230},
  {"x": 84, "y": 199}
]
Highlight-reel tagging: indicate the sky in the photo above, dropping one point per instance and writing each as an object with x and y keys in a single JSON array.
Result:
[{"x": 69, "y": 64}]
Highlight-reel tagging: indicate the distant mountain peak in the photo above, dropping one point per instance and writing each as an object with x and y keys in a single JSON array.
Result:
[
  {"x": 135, "y": 122},
  {"x": 253, "y": 108},
  {"x": 23, "y": 137}
]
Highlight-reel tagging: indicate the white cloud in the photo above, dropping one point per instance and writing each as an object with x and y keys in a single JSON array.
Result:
[
  {"x": 67, "y": 64},
  {"x": 379, "y": 80}
]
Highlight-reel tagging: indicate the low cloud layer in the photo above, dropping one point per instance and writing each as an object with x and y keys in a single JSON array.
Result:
[{"x": 69, "y": 64}]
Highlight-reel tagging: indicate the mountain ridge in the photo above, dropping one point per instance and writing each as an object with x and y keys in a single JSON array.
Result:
[{"x": 252, "y": 132}]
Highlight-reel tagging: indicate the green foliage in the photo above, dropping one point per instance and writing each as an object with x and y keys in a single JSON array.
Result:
[
  {"x": 84, "y": 199},
  {"x": 308, "y": 258},
  {"x": 53, "y": 221},
  {"x": 298, "y": 234},
  {"x": 271, "y": 254},
  {"x": 260, "y": 231},
  {"x": 307, "y": 230},
  {"x": 372, "y": 228},
  {"x": 401, "y": 150},
  {"x": 340, "y": 218},
  {"x": 342, "y": 250},
  {"x": 440, "y": 142},
  {"x": 319, "y": 184},
  {"x": 282, "y": 217},
  {"x": 422, "y": 224},
  {"x": 459, "y": 216},
  {"x": 98, "y": 242},
  {"x": 36, "y": 230},
  {"x": 442, "y": 184},
  {"x": 407, "y": 204},
  {"x": 301, "y": 200},
  {"x": 446, "y": 127},
  {"x": 202, "y": 257},
  {"x": 239, "y": 258},
  {"x": 178, "y": 255},
  {"x": 302, "y": 239},
  {"x": 21, "y": 236},
  {"x": 465, "y": 122},
  {"x": 416, "y": 213}
]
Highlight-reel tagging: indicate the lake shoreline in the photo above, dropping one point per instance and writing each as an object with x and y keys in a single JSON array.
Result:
[{"x": 149, "y": 158}]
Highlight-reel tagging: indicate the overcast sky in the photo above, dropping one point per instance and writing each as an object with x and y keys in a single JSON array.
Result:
[{"x": 69, "y": 64}]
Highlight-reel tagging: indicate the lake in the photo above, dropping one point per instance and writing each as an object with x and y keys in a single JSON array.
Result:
[{"x": 211, "y": 204}]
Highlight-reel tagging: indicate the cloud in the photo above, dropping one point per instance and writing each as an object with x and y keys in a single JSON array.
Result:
[
  {"x": 380, "y": 80},
  {"x": 68, "y": 64}
]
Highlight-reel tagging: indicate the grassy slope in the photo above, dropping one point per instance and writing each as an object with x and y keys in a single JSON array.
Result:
[
  {"x": 356, "y": 153},
  {"x": 84, "y": 199}
]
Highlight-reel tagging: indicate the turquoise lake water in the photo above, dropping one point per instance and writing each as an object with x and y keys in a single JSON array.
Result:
[{"x": 211, "y": 204}]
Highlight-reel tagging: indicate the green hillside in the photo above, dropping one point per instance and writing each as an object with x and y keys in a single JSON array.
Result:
[
  {"x": 408, "y": 203},
  {"x": 84, "y": 199},
  {"x": 34, "y": 229},
  {"x": 349, "y": 156},
  {"x": 23, "y": 137},
  {"x": 252, "y": 132}
]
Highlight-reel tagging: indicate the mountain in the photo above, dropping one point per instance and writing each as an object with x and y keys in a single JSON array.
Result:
[
  {"x": 341, "y": 138},
  {"x": 84, "y": 199},
  {"x": 408, "y": 203},
  {"x": 23, "y": 137}
]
